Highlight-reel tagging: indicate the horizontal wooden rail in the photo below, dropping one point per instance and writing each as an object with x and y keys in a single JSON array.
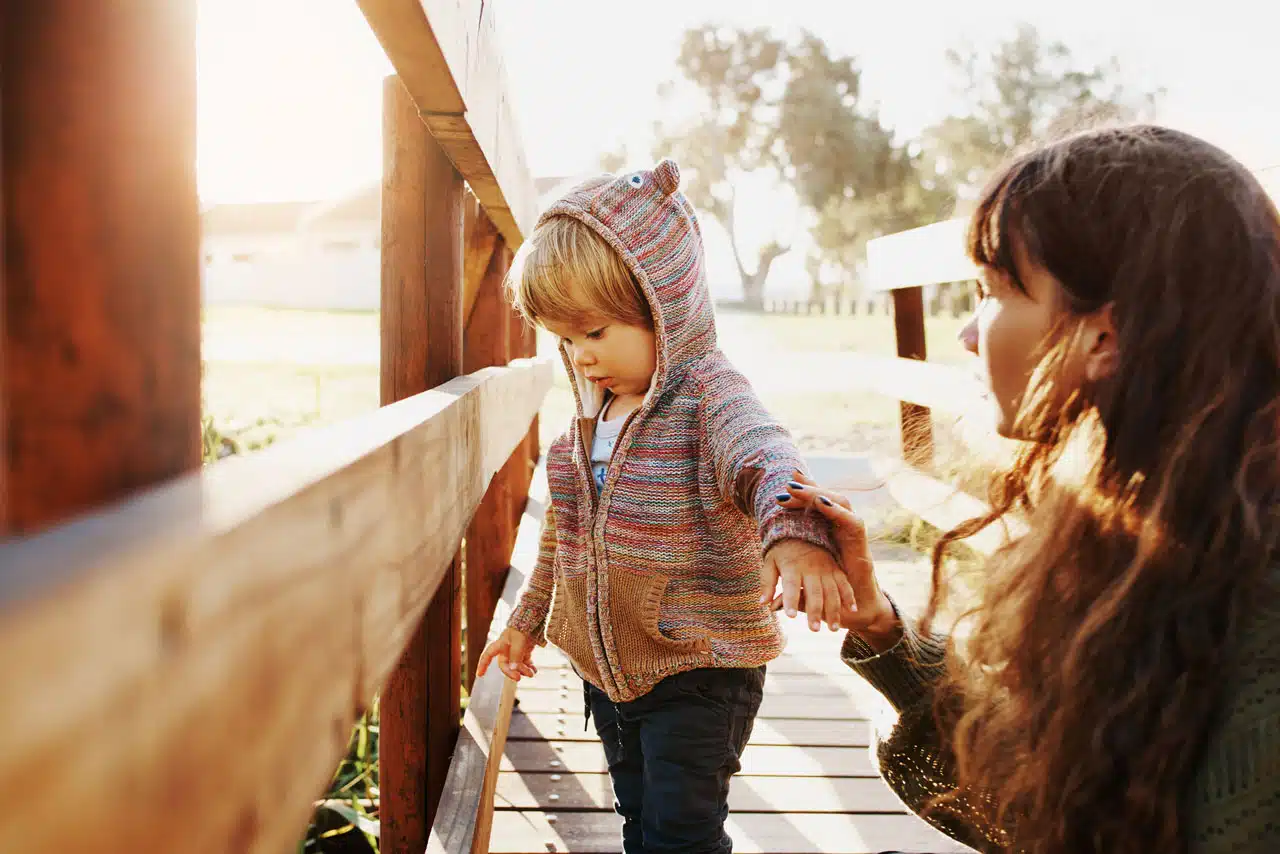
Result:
[
  {"x": 928, "y": 255},
  {"x": 447, "y": 55},
  {"x": 465, "y": 816},
  {"x": 182, "y": 671}
]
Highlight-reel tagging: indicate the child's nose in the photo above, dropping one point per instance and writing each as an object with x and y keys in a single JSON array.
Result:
[
  {"x": 583, "y": 357},
  {"x": 969, "y": 336}
]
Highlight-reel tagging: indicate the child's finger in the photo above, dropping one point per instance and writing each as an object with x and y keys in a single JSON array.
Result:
[
  {"x": 791, "y": 594},
  {"x": 509, "y": 668},
  {"x": 486, "y": 658},
  {"x": 831, "y": 595},
  {"x": 815, "y": 601},
  {"x": 769, "y": 579},
  {"x": 848, "y": 599}
]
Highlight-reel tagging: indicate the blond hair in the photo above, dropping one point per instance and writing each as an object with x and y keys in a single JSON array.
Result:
[{"x": 566, "y": 272}]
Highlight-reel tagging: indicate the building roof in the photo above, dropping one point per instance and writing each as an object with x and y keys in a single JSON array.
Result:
[{"x": 254, "y": 218}]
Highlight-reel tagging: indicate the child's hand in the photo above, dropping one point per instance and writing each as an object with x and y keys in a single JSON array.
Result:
[
  {"x": 803, "y": 565},
  {"x": 514, "y": 651}
]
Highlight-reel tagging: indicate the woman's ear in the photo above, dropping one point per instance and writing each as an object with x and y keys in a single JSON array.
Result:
[{"x": 1100, "y": 345}]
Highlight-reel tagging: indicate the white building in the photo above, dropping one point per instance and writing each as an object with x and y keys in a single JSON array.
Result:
[{"x": 320, "y": 255}]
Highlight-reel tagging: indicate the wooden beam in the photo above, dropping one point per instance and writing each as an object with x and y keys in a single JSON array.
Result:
[
  {"x": 524, "y": 343},
  {"x": 482, "y": 241},
  {"x": 492, "y": 532},
  {"x": 929, "y": 255},
  {"x": 916, "y": 421},
  {"x": 422, "y": 220},
  {"x": 448, "y": 55},
  {"x": 191, "y": 662},
  {"x": 100, "y": 324},
  {"x": 466, "y": 811}
]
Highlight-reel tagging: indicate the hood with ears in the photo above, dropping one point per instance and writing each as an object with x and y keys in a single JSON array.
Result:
[{"x": 647, "y": 220}]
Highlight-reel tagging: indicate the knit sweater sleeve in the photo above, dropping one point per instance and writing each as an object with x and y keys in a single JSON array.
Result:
[
  {"x": 911, "y": 752},
  {"x": 753, "y": 457},
  {"x": 534, "y": 604}
]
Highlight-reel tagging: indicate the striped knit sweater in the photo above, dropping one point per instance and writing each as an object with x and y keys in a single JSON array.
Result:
[{"x": 659, "y": 573}]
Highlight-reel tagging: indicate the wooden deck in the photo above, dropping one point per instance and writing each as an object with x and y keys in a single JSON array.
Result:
[{"x": 807, "y": 784}]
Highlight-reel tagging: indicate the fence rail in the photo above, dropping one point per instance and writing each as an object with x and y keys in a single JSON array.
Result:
[{"x": 187, "y": 648}]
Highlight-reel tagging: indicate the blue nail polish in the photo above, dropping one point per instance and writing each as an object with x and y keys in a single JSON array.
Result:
[
  {"x": 825, "y": 500},
  {"x": 796, "y": 485},
  {"x": 782, "y": 497}
]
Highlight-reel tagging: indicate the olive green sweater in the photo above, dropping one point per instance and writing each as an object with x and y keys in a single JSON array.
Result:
[{"x": 1232, "y": 803}]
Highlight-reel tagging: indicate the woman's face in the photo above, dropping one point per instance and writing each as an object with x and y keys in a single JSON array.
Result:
[{"x": 1007, "y": 333}]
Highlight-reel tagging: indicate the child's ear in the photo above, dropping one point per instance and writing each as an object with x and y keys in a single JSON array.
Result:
[{"x": 667, "y": 174}]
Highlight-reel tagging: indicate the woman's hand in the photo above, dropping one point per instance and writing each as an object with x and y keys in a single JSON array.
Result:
[{"x": 873, "y": 617}]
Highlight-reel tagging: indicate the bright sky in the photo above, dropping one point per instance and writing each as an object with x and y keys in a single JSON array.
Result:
[{"x": 290, "y": 89}]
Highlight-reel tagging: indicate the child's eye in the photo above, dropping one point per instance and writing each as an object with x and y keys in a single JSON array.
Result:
[{"x": 596, "y": 334}]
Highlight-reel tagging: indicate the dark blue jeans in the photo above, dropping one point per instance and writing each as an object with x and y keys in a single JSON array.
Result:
[{"x": 671, "y": 754}]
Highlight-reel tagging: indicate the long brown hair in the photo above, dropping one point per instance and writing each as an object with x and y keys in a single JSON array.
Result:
[{"x": 1091, "y": 663}]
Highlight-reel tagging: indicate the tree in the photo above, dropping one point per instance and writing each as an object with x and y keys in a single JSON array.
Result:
[
  {"x": 792, "y": 108},
  {"x": 730, "y": 133},
  {"x": 1027, "y": 90}
]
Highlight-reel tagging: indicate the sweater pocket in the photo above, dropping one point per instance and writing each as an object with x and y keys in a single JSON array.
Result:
[
  {"x": 568, "y": 625},
  {"x": 635, "y": 603}
]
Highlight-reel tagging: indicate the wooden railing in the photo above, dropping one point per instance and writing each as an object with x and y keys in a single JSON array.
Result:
[
  {"x": 186, "y": 649},
  {"x": 903, "y": 264}
]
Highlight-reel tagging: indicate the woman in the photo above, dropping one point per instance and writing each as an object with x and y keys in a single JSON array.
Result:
[{"x": 1118, "y": 685}]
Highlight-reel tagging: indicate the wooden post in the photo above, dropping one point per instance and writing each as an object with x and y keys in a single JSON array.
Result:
[
  {"x": 916, "y": 421},
  {"x": 422, "y": 214},
  {"x": 491, "y": 535},
  {"x": 525, "y": 345},
  {"x": 100, "y": 315}
]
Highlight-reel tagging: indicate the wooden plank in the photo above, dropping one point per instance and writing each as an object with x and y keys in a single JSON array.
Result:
[
  {"x": 836, "y": 709},
  {"x": 524, "y": 342},
  {"x": 226, "y": 629},
  {"x": 466, "y": 807},
  {"x": 100, "y": 329},
  {"x": 448, "y": 55},
  {"x": 519, "y": 832},
  {"x": 944, "y": 506},
  {"x": 916, "y": 420},
  {"x": 928, "y": 255},
  {"x": 576, "y": 757},
  {"x": 466, "y": 810},
  {"x": 798, "y": 732},
  {"x": 491, "y": 535},
  {"x": 482, "y": 241},
  {"x": 421, "y": 321},
  {"x": 558, "y": 792}
]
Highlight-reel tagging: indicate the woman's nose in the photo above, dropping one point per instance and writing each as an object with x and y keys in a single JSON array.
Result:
[{"x": 969, "y": 336}]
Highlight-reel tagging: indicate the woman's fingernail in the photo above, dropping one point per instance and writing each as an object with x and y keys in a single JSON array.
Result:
[
  {"x": 825, "y": 500},
  {"x": 782, "y": 497},
  {"x": 796, "y": 485}
]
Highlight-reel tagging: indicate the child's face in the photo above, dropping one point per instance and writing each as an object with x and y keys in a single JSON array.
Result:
[{"x": 613, "y": 355}]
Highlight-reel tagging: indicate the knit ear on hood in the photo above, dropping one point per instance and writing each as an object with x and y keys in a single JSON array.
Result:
[
  {"x": 648, "y": 221},
  {"x": 667, "y": 174}
]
